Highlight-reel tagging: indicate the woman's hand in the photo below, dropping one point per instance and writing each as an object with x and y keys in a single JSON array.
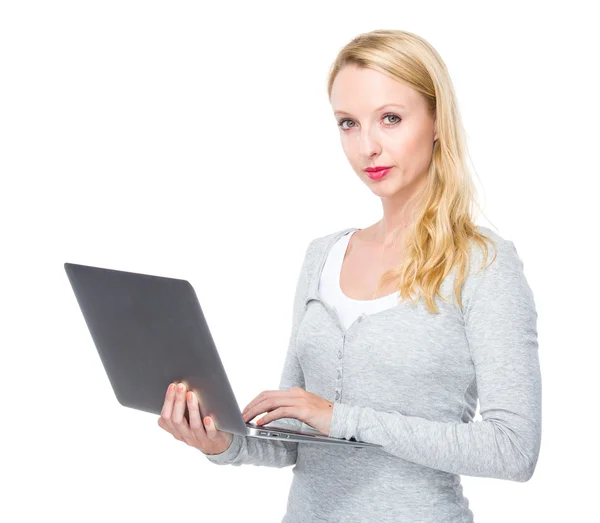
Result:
[
  {"x": 202, "y": 435},
  {"x": 292, "y": 403}
]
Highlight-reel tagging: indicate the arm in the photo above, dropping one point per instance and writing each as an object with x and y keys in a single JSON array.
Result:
[
  {"x": 500, "y": 323},
  {"x": 274, "y": 453}
]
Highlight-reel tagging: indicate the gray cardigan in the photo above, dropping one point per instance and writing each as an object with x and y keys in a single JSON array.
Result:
[{"x": 409, "y": 380}]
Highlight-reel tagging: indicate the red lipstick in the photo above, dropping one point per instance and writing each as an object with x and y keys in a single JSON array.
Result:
[
  {"x": 377, "y": 173},
  {"x": 377, "y": 168}
]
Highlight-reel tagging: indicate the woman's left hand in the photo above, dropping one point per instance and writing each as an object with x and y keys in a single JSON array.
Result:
[{"x": 291, "y": 403}]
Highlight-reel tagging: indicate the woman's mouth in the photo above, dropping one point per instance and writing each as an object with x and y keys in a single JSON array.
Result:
[{"x": 378, "y": 175}]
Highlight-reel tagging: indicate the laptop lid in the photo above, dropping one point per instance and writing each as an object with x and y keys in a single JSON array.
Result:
[{"x": 150, "y": 331}]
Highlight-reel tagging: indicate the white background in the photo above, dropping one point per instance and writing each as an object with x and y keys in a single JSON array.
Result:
[{"x": 197, "y": 142}]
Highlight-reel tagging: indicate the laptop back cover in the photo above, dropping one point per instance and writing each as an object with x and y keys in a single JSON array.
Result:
[{"x": 150, "y": 331}]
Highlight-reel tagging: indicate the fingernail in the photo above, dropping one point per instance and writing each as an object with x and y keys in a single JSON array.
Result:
[
  {"x": 171, "y": 387},
  {"x": 207, "y": 421}
]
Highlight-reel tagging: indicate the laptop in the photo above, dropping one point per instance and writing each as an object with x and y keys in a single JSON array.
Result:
[{"x": 150, "y": 331}]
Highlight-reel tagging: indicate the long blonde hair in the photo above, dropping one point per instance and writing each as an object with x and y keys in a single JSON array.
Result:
[{"x": 442, "y": 231}]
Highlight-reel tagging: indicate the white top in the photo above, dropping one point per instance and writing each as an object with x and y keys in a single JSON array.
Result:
[{"x": 348, "y": 309}]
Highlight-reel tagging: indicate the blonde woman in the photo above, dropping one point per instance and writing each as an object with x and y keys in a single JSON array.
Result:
[{"x": 399, "y": 328}]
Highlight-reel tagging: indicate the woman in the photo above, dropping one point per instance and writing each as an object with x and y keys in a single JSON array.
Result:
[{"x": 373, "y": 355}]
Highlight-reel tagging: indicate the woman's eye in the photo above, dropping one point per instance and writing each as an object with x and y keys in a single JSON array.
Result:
[
  {"x": 393, "y": 116},
  {"x": 341, "y": 122}
]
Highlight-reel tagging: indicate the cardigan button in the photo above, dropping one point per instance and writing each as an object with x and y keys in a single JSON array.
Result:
[{"x": 337, "y": 395}]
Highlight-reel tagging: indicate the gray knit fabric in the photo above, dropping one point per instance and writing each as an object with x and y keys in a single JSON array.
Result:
[{"x": 409, "y": 380}]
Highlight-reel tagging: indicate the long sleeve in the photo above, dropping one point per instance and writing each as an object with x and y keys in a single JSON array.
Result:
[
  {"x": 274, "y": 453},
  {"x": 500, "y": 321}
]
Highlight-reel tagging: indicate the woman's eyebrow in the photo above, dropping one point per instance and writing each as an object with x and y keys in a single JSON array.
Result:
[{"x": 378, "y": 109}]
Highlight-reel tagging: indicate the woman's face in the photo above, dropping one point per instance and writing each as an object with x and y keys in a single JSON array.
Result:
[{"x": 375, "y": 131}]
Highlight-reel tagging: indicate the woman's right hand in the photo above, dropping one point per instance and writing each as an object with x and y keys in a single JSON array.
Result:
[{"x": 199, "y": 433}]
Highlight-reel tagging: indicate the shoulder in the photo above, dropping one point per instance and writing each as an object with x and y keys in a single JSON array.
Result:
[
  {"x": 318, "y": 246},
  {"x": 321, "y": 243},
  {"x": 501, "y": 275},
  {"x": 501, "y": 253},
  {"x": 491, "y": 234}
]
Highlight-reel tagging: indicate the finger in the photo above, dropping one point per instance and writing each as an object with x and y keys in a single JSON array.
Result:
[
  {"x": 196, "y": 425},
  {"x": 258, "y": 408},
  {"x": 164, "y": 420},
  {"x": 272, "y": 400},
  {"x": 178, "y": 419},
  {"x": 168, "y": 404},
  {"x": 179, "y": 402},
  {"x": 167, "y": 409},
  {"x": 252, "y": 404},
  {"x": 281, "y": 412},
  {"x": 163, "y": 425},
  {"x": 258, "y": 405},
  {"x": 211, "y": 430},
  {"x": 261, "y": 397}
]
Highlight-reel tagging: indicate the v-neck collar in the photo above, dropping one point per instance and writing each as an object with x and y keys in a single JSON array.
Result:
[
  {"x": 313, "y": 286},
  {"x": 314, "y": 294}
]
